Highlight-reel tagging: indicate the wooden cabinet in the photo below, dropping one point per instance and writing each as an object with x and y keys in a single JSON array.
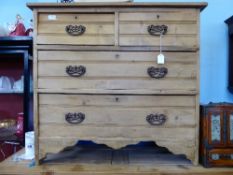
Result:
[
  {"x": 217, "y": 135},
  {"x": 15, "y": 66},
  {"x": 97, "y": 78},
  {"x": 229, "y": 22}
]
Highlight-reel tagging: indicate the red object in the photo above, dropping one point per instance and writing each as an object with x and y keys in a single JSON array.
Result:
[
  {"x": 19, "y": 30},
  {"x": 19, "y": 128}
]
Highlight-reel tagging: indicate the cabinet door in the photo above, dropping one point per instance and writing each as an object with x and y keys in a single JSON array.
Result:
[
  {"x": 214, "y": 123},
  {"x": 229, "y": 126}
]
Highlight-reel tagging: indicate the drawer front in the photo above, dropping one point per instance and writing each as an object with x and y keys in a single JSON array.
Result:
[
  {"x": 182, "y": 28},
  {"x": 111, "y": 116},
  {"x": 116, "y": 120},
  {"x": 220, "y": 157},
  {"x": 79, "y": 29},
  {"x": 117, "y": 110},
  {"x": 116, "y": 71}
]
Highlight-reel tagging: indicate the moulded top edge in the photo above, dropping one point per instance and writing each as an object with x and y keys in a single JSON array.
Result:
[{"x": 200, "y": 5}]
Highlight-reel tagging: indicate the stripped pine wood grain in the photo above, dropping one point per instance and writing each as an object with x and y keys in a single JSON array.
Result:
[
  {"x": 116, "y": 56},
  {"x": 147, "y": 132},
  {"x": 111, "y": 70},
  {"x": 93, "y": 29},
  {"x": 54, "y": 123},
  {"x": 118, "y": 110},
  {"x": 56, "y": 144},
  {"x": 112, "y": 116},
  {"x": 116, "y": 84},
  {"x": 99, "y": 29},
  {"x": 116, "y": 93},
  {"x": 81, "y": 40},
  {"x": 120, "y": 91},
  {"x": 132, "y": 28},
  {"x": 198, "y": 96},
  {"x": 178, "y": 34},
  {"x": 183, "y": 15},
  {"x": 168, "y": 40},
  {"x": 119, "y": 5},
  {"x": 117, "y": 100},
  {"x": 177, "y": 138},
  {"x": 35, "y": 86},
  {"x": 77, "y": 17},
  {"x": 100, "y": 48}
]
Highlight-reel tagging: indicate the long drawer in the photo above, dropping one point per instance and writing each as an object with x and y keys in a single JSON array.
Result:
[
  {"x": 116, "y": 71},
  {"x": 76, "y": 28},
  {"x": 116, "y": 120},
  {"x": 117, "y": 110}
]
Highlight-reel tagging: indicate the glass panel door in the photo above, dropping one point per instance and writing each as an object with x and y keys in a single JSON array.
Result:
[
  {"x": 230, "y": 129},
  {"x": 215, "y": 128}
]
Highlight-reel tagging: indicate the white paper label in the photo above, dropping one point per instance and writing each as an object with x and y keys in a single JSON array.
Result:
[
  {"x": 52, "y": 17},
  {"x": 160, "y": 59}
]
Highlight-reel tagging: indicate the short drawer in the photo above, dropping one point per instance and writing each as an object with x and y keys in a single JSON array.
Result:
[
  {"x": 78, "y": 29},
  {"x": 121, "y": 71},
  {"x": 219, "y": 157},
  {"x": 144, "y": 28},
  {"x": 116, "y": 120}
]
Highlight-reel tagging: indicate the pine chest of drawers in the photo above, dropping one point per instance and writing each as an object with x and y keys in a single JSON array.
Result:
[{"x": 97, "y": 78}]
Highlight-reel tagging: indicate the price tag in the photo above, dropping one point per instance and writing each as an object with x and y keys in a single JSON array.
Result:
[
  {"x": 52, "y": 17},
  {"x": 160, "y": 59}
]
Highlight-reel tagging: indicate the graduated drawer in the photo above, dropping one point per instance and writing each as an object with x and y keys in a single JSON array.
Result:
[
  {"x": 116, "y": 71},
  {"x": 116, "y": 120},
  {"x": 182, "y": 28},
  {"x": 79, "y": 29}
]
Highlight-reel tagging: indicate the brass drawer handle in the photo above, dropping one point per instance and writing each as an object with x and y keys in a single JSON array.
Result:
[
  {"x": 156, "y": 119},
  {"x": 75, "y": 30},
  {"x": 157, "y": 30},
  {"x": 75, "y": 118},
  {"x": 157, "y": 72},
  {"x": 75, "y": 71}
]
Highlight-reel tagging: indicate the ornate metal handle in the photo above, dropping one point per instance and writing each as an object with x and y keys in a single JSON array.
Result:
[
  {"x": 75, "y": 30},
  {"x": 75, "y": 118},
  {"x": 75, "y": 71},
  {"x": 157, "y": 72},
  {"x": 157, "y": 30},
  {"x": 156, "y": 119}
]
